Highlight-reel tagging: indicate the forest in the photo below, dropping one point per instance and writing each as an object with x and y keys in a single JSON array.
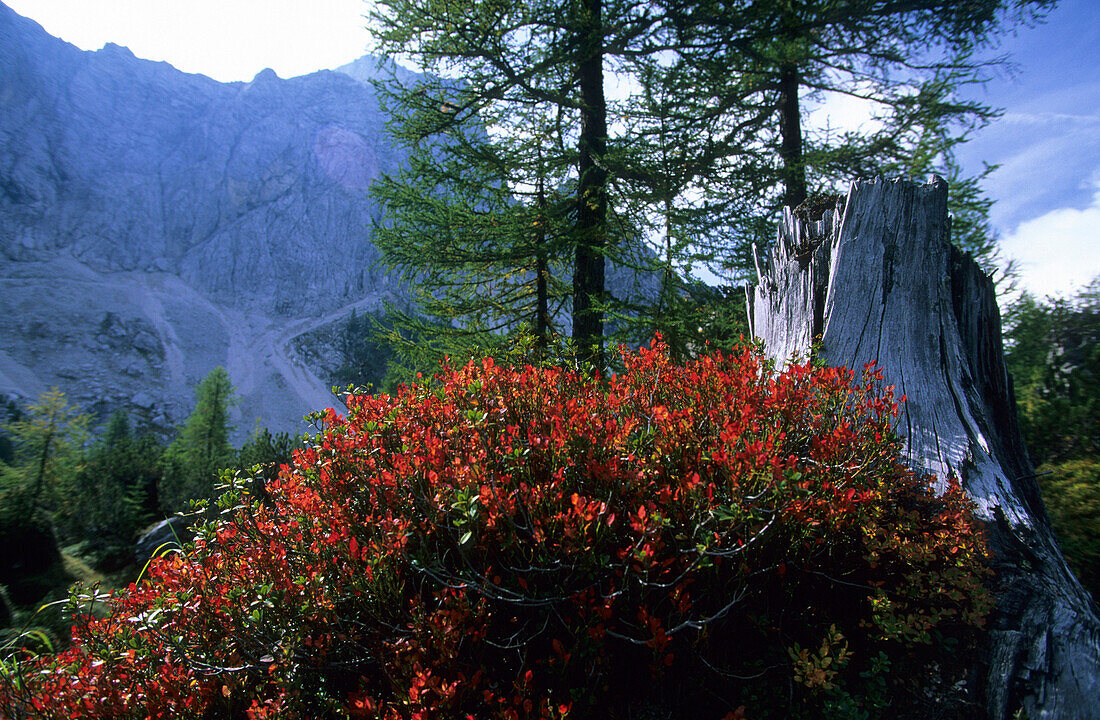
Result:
[{"x": 563, "y": 501}]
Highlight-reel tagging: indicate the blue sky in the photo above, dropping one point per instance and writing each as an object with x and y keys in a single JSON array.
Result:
[{"x": 1047, "y": 144}]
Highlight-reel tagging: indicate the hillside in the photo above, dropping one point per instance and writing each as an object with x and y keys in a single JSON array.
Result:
[{"x": 155, "y": 224}]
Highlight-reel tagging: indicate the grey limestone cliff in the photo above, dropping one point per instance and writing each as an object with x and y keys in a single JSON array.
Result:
[{"x": 155, "y": 224}]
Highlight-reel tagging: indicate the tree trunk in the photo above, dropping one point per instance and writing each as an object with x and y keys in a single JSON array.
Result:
[
  {"x": 790, "y": 126},
  {"x": 876, "y": 280},
  {"x": 588, "y": 273},
  {"x": 542, "y": 271}
]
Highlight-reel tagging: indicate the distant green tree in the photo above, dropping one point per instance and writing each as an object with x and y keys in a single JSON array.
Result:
[
  {"x": 37, "y": 492},
  {"x": 115, "y": 483},
  {"x": 9, "y": 413},
  {"x": 201, "y": 449},
  {"x": 365, "y": 355},
  {"x": 48, "y": 440},
  {"x": 267, "y": 449},
  {"x": 1053, "y": 355},
  {"x": 1071, "y": 493}
]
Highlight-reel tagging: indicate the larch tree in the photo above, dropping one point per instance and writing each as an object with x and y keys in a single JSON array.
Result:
[
  {"x": 526, "y": 173},
  {"x": 192, "y": 461},
  {"x": 510, "y": 139},
  {"x": 49, "y": 439},
  {"x": 905, "y": 62},
  {"x": 480, "y": 236}
]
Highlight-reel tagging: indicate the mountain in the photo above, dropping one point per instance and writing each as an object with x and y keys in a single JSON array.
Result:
[{"x": 155, "y": 224}]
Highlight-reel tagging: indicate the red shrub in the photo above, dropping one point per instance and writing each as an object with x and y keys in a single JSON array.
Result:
[{"x": 706, "y": 540}]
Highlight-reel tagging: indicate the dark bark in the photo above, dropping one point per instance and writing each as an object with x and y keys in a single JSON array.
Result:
[
  {"x": 588, "y": 274},
  {"x": 790, "y": 126},
  {"x": 542, "y": 302},
  {"x": 884, "y": 285}
]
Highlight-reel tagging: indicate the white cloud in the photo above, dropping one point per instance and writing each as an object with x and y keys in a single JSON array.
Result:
[
  {"x": 838, "y": 112},
  {"x": 1059, "y": 251}
]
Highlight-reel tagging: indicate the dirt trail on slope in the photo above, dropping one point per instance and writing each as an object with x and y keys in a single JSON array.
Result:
[
  {"x": 290, "y": 366},
  {"x": 190, "y": 335},
  {"x": 260, "y": 348}
]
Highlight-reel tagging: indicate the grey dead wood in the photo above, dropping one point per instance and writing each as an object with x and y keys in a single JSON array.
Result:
[{"x": 877, "y": 280}]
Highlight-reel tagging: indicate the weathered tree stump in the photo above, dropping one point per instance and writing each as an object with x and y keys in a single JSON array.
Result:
[{"x": 876, "y": 280}]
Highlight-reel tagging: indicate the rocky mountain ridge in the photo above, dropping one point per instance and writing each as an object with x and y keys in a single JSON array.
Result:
[{"x": 155, "y": 224}]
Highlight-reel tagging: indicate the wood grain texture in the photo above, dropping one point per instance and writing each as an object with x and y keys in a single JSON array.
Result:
[{"x": 877, "y": 280}]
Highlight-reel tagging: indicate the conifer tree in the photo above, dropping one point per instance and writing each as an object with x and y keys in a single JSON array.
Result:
[
  {"x": 266, "y": 453},
  {"x": 192, "y": 461},
  {"x": 48, "y": 439},
  {"x": 765, "y": 63},
  {"x": 115, "y": 483},
  {"x": 1053, "y": 356},
  {"x": 519, "y": 162},
  {"x": 10, "y": 412},
  {"x": 482, "y": 239},
  {"x": 504, "y": 212}
]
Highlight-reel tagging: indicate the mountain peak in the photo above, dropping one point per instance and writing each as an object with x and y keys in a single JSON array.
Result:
[
  {"x": 371, "y": 68},
  {"x": 265, "y": 75},
  {"x": 117, "y": 50}
]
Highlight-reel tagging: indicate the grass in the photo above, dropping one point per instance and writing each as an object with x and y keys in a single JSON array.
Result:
[{"x": 39, "y": 620}]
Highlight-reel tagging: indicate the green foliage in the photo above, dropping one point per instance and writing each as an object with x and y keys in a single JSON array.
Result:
[
  {"x": 1072, "y": 495},
  {"x": 201, "y": 449},
  {"x": 418, "y": 345},
  {"x": 690, "y": 316},
  {"x": 9, "y": 413},
  {"x": 494, "y": 261},
  {"x": 116, "y": 487},
  {"x": 263, "y": 455},
  {"x": 365, "y": 355},
  {"x": 524, "y": 184},
  {"x": 48, "y": 439},
  {"x": 505, "y": 194},
  {"x": 769, "y": 63},
  {"x": 1053, "y": 355}
]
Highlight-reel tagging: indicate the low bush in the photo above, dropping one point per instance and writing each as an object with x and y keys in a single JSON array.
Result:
[
  {"x": 706, "y": 540},
  {"x": 1071, "y": 491}
]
